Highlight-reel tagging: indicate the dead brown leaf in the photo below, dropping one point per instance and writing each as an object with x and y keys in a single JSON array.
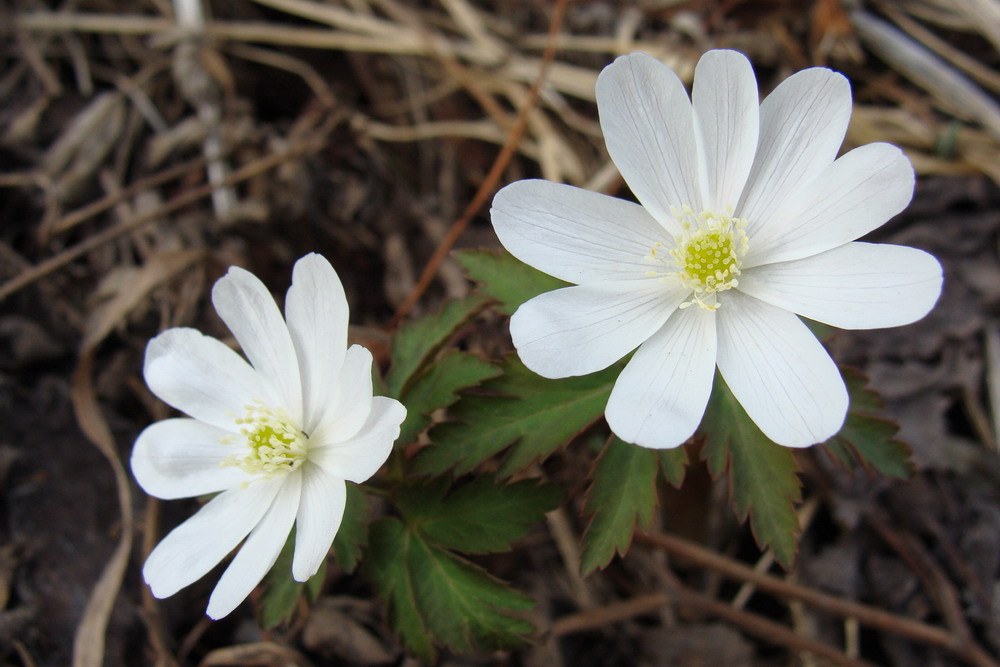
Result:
[
  {"x": 260, "y": 654},
  {"x": 332, "y": 633},
  {"x": 88, "y": 641},
  {"x": 76, "y": 156},
  {"x": 124, "y": 288}
]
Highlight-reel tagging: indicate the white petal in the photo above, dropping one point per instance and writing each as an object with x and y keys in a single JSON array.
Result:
[
  {"x": 321, "y": 510},
  {"x": 802, "y": 124},
  {"x": 258, "y": 553},
  {"x": 574, "y": 234},
  {"x": 360, "y": 457},
  {"x": 582, "y": 329},
  {"x": 317, "y": 313},
  {"x": 856, "y": 286},
  {"x": 250, "y": 312},
  {"x": 201, "y": 376},
  {"x": 181, "y": 458},
  {"x": 660, "y": 397},
  {"x": 648, "y": 127},
  {"x": 726, "y": 121},
  {"x": 193, "y": 548},
  {"x": 856, "y": 194},
  {"x": 352, "y": 400},
  {"x": 779, "y": 372}
]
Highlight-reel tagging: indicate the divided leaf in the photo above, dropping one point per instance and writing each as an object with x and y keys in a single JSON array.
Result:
[
  {"x": 537, "y": 414},
  {"x": 282, "y": 593},
  {"x": 438, "y": 387},
  {"x": 763, "y": 477},
  {"x": 866, "y": 437},
  {"x": 478, "y": 517},
  {"x": 506, "y": 279},
  {"x": 433, "y": 596},
  {"x": 352, "y": 537},
  {"x": 417, "y": 341},
  {"x": 621, "y": 498}
]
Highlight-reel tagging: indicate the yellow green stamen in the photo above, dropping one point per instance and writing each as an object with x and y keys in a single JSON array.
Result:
[
  {"x": 273, "y": 444},
  {"x": 707, "y": 255}
]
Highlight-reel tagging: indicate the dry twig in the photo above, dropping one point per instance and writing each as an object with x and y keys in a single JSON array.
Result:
[{"x": 961, "y": 647}]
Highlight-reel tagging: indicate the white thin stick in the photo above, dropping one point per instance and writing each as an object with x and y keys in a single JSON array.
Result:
[
  {"x": 191, "y": 22},
  {"x": 190, "y": 15},
  {"x": 950, "y": 88}
]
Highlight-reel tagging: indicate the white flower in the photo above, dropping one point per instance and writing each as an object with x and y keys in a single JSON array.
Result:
[
  {"x": 746, "y": 220},
  {"x": 277, "y": 438}
]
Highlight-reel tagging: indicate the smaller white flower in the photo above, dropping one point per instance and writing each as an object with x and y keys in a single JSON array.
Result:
[
  {"x": 746, "y": 218},
  {"x": 277, "y": 437}
]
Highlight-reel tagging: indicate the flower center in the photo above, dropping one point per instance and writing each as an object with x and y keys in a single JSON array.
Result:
[
  {"x": 708, "y": 254},
  {"x": 273, "y": 444}
]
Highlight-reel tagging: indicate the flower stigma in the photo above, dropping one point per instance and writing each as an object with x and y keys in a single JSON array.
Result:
[
  {"x": 707, "y": 255},
  {"x": 273, "y": 443}
]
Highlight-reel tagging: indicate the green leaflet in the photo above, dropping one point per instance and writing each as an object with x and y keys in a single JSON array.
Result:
[
  {"x": 506, "y": 279},
  {"x": 392, "y": 577},
  {"x": 763, "y": 476},
  {"x": 673, "y": 464},
  {"x": 282, "y": 593},
  {"x": 537, "y": 414},
  {"x": 478, "y": 517},
  {"x": 621, "y": 498},
  {"x": 434, "y": 597},
  {"x": 866, "y": 437},
  {"x": 417, "y": 341},
  {"x": 438, "y": 386},
  {"x": 351, "y": 536}
]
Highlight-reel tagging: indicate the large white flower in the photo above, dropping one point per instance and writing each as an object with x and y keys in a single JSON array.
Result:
[
  {"x": 746, "y": 220},
  {"x": 277, "y": 438}
]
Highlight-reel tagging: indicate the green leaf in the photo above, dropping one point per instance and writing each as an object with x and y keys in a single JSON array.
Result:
[
  {"x": 509, "y": 281},
  {"x": 478, "y": 517},
  {"x": 351, "y": 536},
  {"x": 417, "y": 341},
  {"x": 763, "y": 476},
  {"x": 540, "y": 415},
  {"x": 438, "y": 388},
  {"x": 866, "y": 437},
  {"x": 621, "y": 498},
  {"x": 673, "y": 464},
  {"x": 392, "y": 577},
  {"x": 433, "y": 596},
  {"x": 282, "y": 593}
]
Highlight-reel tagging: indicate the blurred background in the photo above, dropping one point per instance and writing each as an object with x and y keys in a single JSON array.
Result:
[{"x": 146, "y": 146}]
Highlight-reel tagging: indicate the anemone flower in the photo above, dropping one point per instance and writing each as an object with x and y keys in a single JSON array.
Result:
[
  {"x": 746, "y": 220},
  {"x": 276, "y": 438}
]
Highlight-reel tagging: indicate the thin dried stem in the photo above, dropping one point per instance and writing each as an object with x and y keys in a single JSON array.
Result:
[
  {"x": 870, "y": 616},
  {"x": 488, "y": 185},
  {"x": 599, "y": 617},
  {"x": 255, "y": 168},
  {"x": 80, "y": 215}
]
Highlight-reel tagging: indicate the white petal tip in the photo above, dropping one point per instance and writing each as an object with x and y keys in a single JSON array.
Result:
[
  {"x": 653, "y": 443},
  {"x": 218, "y": 608},
  {"x": 647, "y": 438},
  {"x": 814, "y": 433},
  {"x": 159, "y": 587}
]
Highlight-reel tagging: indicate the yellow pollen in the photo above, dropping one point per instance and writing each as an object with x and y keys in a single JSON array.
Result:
[
  {"x": 272, "y": 444},
  {"x": 707, "y": 255}
]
